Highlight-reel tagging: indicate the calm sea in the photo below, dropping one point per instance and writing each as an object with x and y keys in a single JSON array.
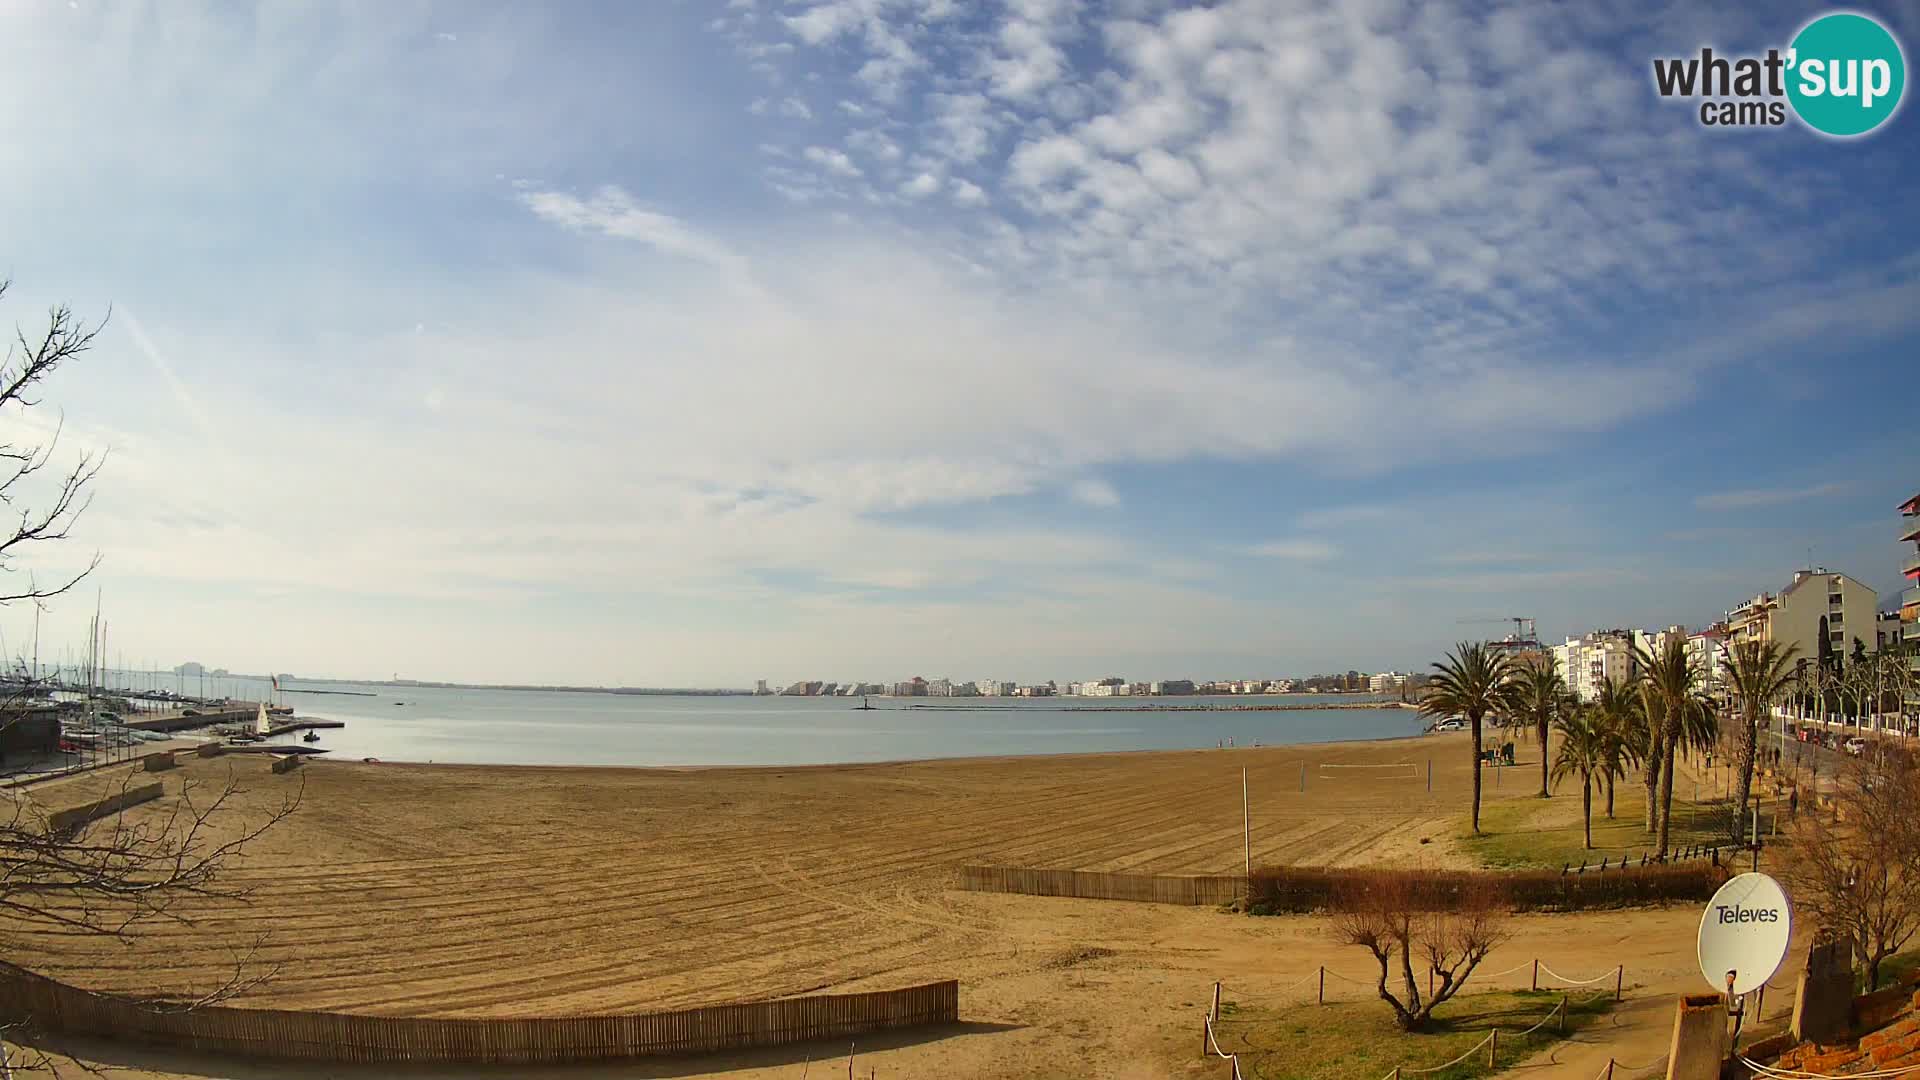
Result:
[{"x": 556, "y": 728}]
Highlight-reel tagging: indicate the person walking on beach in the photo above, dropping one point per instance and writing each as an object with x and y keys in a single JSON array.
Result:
[{"x": 1793, "y": 804}]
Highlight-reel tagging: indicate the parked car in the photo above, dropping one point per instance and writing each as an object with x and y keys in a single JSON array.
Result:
[{"x": 1856, "y": 746}]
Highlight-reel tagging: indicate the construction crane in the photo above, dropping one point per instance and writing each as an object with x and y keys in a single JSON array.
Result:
[{"x": 1522, "y": 625}]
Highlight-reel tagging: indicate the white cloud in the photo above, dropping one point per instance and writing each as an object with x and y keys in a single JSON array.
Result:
[
  {"x": 834, "y": 161},
  {"x": 1093, "y": 491},
  {"x": 614, "y": 212},
  {"x": 967, "y": 193},
  {"x": 1757, "y": 497},
  {"x": 920, "y": 186},
  {"x": 1296, "y": 549}
]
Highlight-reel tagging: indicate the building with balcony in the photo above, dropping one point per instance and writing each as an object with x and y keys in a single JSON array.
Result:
[
  {"x": 1707, "y": 653},
  {"x": 1910, "y": 594},
  {"x": 1590, "y": 661},
  {"x": 1820, "y": 612},
  {"x": 1386, "y": 682}
]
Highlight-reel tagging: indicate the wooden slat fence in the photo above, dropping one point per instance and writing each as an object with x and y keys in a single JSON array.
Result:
[
  {"x": 50, "y": 1006},
  {"x": 1092, "y": 885},
  {"x": 72, "y": 816}
]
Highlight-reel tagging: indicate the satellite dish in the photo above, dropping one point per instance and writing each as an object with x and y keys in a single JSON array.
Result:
[{"x": 1744, "y": 933}]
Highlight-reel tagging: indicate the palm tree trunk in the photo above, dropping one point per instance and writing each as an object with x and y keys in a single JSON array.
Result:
[
  {"x": 1609, "y": 795},
  {"x": 1586, "y": 806},
  {"x": 1666, "y": 782},
  {"x": 1652, "y": 777},
  {"x": 1541, "y": 730},
  {"x": 1476, "y": 774},
  {"x": 1745, "y": 786}
]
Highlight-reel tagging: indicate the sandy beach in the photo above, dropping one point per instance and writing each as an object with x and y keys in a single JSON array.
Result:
[{"x": 492, "y": 891}]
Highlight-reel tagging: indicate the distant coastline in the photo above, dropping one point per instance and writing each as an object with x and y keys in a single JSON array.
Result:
[{"x": 418, "y": 684}]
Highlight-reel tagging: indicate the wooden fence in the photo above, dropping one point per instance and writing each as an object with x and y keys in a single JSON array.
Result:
[
  {"x": 1090, "y": 885},
  {"x": 74, "y": 816},
  {"x": 49, "y": 1006}
]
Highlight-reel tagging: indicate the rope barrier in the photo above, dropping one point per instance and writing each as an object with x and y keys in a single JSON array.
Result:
[
  {"x": 1343, "y": 978},
  {"x": 1474, "y": 1049},
  {"x": 1582, "y": 982},
  {"x": 1509, "y": 971},
  {"x": 1795, "y": 1074},
  {"x": 1214, "y": 1045},
  {"x": 1557, "y": 1010}
]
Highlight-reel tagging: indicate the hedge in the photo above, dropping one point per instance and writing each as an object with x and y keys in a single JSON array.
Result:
[{"x": 1278, "y": 889}]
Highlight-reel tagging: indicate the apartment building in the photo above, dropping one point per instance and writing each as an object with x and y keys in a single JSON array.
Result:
[
  {"x": 1818, "y": 606},
  {"x": 1386, "y": 682},
  {"x": 1590, "y": 661},
  {"x": 1910, "y": 595}
]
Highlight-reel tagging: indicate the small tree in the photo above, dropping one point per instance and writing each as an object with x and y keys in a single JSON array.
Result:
[
  {"x": 1857, "y": 872},
  {"x": 1401, "y": 921}
]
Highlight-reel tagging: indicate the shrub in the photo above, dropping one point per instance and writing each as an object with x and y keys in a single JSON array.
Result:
[{"x": 1277, "y": 889}]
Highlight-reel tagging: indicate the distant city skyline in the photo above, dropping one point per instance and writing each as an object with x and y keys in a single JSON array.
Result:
[{"x": 687, "y": 344}]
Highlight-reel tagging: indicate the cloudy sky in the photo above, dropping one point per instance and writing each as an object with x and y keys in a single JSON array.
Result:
[{"x": 691, "y": 343}]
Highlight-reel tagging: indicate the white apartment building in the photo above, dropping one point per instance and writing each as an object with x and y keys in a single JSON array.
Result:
[
  {"x": 1386, "y": 682},
  {"x": 1707, "y": 652},
  {"x": 1591, "y": 660}
]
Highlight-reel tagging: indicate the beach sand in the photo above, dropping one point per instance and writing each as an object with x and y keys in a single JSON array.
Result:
[{"x": 491, "y": 891}]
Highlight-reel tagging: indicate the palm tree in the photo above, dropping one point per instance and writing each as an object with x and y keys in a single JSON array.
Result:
[
  {"x": 1650, "y": 737},
  {"x": 1536, "y": 694},
  {"x": 1759, "y": 674},
  {"x": 1673, "y": 681},
  {"x": 1470, "y": 683},
  {"x": 1583, "y": 750},
  {"x": 1617, "y": 713}
]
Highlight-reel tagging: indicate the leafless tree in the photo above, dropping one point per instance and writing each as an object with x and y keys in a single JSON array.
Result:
[
  {"x": 1404, "y": 923},
  {"x": 61, "y": 497},
  {"x": 106, "y": 876},
  {"x": 1856, "y": 871}
]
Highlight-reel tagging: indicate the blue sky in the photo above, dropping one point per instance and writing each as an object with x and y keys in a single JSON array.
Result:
[{"x": 693, "y": 343}]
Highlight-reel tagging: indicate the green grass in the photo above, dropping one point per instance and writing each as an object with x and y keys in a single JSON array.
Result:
[
  {"x": 1360, "y": 1041},
  {"x": 1514, "y": 837}
]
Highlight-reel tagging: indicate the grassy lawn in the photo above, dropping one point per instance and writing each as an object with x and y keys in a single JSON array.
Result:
[
  {"x": 1530, "y": 832},
  {"x": 1359, "y": 1040}
]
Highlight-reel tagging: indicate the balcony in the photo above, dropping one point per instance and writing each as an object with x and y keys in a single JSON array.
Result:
[
  {"x": 1910, "y": 597},
  {"x": 1910, "y": 528},
  {"x": 1912, "y": 568}
]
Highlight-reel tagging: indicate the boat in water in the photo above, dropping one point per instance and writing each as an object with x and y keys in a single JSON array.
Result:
[{"x": 311, "y": 736}]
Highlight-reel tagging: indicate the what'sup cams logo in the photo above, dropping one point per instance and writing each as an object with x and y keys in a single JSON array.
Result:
[{"x": 1843, "y": 75}]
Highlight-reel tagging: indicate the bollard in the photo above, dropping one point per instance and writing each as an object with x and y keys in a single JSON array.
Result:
[
  {"x": 1323, "y": 984},
  {"x": 1619, "y": 977},
  {"x": 1215, "y": 1014},
  {"x": 1493, "y": 1047},
  {"x": 1563, "y": 1014},
  {"x": 1536, "y": 974}
]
